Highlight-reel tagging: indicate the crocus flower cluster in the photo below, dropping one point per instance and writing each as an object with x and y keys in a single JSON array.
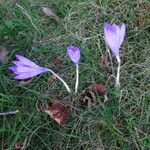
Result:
[
  {"x": 114, "y": 36},
  {"x": 25, "y": 68}
]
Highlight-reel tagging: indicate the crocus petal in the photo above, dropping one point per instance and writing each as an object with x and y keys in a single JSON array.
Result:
[
  {"x": 122, "y": 33},
  {"x": 26, "y": 75},
  {"x": 74, "y": 53},
  {"x": 114, "y": 36},
  {"x": 114, "y": 28},
  {"x": 117, "y": 37},
  {"x": 18, "y": 63},
  {"x": 12, "y": 68},
  {"x": 26, "y": 69},
  {"x": 111, "y": 38},
  {"x": 26, "y": 61}
]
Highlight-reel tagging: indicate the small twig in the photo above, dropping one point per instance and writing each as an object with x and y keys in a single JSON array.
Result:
[
  {"x": 111, "y": 62},
  {"x": 29, "y": 17},
  {"x": 9, "y": 113}
]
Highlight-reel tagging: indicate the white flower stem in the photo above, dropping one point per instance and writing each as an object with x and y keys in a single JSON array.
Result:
[
  {"x": 77, "y": 78},
  {"x": 118, "y": 72},
  {"x": 65, "y": 84},
  {"x": 9, "y": 113}
]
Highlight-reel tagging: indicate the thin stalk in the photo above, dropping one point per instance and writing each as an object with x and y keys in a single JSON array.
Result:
[
  {"x": 77, "y": 78},
  {"x": 111, "y": 62},
  {"x": 9, "y": 113},
  {"x": 118, "y": 72},
  {"x": 65, "y": 84},
  {"x": 29, "y": 17}
]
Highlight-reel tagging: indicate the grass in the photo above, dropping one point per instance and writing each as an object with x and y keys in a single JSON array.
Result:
[{"x": 123, "y": 122}]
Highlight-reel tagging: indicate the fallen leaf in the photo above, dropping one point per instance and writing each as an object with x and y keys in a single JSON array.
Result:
[
  {"x": 48, "y": 12},
  {"x": 3, "y": 55},
  {"x": 18, "y": 145},
  {"x": 88, "y": 99},
  {"x": 104, "y": 61},
  {"x": 99, "y": 89},
  {"x": 58, "y": 111},
  {"x": 89, "y": 95},
  {"x": 57, "y": 62},
  {"x": 52, "y": 79}
]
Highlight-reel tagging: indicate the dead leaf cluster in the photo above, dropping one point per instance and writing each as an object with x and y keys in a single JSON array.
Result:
[{"x": 90, "y": 94}]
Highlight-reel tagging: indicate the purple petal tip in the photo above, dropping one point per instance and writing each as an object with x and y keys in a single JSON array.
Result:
[
  {"x": 74, "y": 53},
  {"x": 12, "y": 68},
  {"x": 17, "y": 55}
]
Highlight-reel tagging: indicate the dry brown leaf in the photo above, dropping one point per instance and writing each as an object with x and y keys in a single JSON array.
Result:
[
  {"x": 57, "y": 62},
  {"x": 88, "y": 99},
  {"x": 48, "y": 12},
  {"x": 3, "y": 54},
  {"x": 99, "y": 89},
  {"x": 58, "y": 111},
  {"x": 104, "y": 60},
  {"x": 18, "y": 145},
  {"x": 89, "y": 95},
  {"x": 52, "y": 79}
]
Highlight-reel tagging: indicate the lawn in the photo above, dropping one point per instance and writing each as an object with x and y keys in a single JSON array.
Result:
[{"x": 121, "y": 123}]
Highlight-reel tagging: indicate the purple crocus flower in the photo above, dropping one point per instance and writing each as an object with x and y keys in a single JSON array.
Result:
[
  {"x": 25, "y": 68},
  {"x": 74, "y": 53},
  {"x": 114, "y": 36}
]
